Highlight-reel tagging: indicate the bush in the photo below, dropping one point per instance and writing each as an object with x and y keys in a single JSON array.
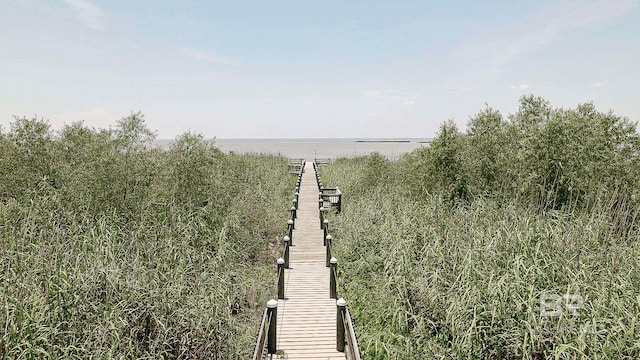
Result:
[
  {"x": 452, "y": 256},
  {"x": 425, "y": 279},
  {"x": 113, "y": 248},
  {"x": 548, "y": 158},
  {"x": 440, "y": 167}
]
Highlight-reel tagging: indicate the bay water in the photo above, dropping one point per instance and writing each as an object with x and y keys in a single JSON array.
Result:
[{"x": 310, "y": 149}]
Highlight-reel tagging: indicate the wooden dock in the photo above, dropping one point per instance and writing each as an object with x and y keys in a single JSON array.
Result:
[{"x": 307, "y": 316}]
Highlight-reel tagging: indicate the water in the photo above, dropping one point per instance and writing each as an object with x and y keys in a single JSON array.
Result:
[{"x": 319, "y": 148}]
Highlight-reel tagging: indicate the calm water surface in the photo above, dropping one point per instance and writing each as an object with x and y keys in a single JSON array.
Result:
[{"x": 319, "y": 148}]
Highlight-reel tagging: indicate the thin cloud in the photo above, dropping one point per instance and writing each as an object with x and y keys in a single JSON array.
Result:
[
  {"x": 393, "y": 96},
  {"x": 520, "y": 87},
  {"x": 390, "y": 93},
  {"x": 463, "y": 90},
  {"x": 88, "y": 13},
  {"x": 212, "y": 56},
  {"x": 596, "y": 85},
  {"x": 372, "y": 92},
  {"x": 550, "y": 25}
]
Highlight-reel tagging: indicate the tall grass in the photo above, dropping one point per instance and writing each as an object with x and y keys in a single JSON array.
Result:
[
  {"x": 432, "y": 272},
  {"x": 427, "y": 280},
  {"x": 114, "y": 249}
]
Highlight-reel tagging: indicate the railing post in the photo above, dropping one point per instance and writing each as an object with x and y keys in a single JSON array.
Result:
[
  {"x": 341, "y": 306},
  {"x": 290, "y": 226},
  {"x": 321, "y": 216},
  {"x": 295, "y": 202},
  {"x": 281, "y": 278},
  {"x": 325, "y": 227},
  {"x": 272, "y": 306},
  {"x": 320, "y": 202},
  {"x": 287, "y": 244},
  {"x": 293, "y": 212},
  {"x": 297, "y": 195},
  {"x": 328, "y": 249},
  {"x": 333, "y": 273}
]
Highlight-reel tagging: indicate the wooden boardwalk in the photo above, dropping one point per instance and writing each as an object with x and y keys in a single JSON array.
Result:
[{"x": 307, "y": 316}]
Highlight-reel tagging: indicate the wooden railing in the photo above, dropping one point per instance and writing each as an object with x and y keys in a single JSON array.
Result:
[
  {"x": 295, "y": 165},
  {"x": 345, "y": 333},
  {"x": 329, "y": 198},
  {"x": 346, "y": 340},
  {"x": 266, "y": 341},
  {"x": 322, "y": 161}
]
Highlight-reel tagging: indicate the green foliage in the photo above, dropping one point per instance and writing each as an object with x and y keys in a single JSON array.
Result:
[
  {"x": 487, "y": 158},
  {"x": 439, "y": 168},
  {"x": 550, "y": 208},
  {"x": 376, "y": 171},
  {"x": 571, "y": 155},
  {"x": 192, "y": 165},
  {"x": 425, "y": 279},
  {"x": 25, "y": 159},
  {"x": 112, "y": 248},
  {"x": 548, "y": 158}
]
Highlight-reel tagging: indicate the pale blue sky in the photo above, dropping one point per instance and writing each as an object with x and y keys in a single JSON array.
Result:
[{"x": 318, "y": 68}]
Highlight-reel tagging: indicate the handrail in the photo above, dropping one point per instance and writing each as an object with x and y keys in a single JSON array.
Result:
[
  {"x": 267, "y": 333},
  {"x": 295, "y": 165},
  {"x": 266, "y": 341},
  {"x": 346, "y": 336},
  {"x": 352, "y": 341},
  {"x": 345, "y": 331},
  {"x": 331, "y": 191},
  {"x": 332, "y": 196},
  {"x": 261, "y": 342},
  {"x": 322, "y": 161}
]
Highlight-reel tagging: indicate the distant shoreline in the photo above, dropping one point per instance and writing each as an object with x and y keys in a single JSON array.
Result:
[
  {"x": 392, "y": 148},
  {"x": 383, "y": 141}
]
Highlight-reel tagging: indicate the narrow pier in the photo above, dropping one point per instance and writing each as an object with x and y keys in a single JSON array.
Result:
[{"x": 307, "y": 316}]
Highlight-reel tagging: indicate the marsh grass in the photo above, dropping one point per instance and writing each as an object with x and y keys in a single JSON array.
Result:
[
  {"x": 427, "y": 280},
  {"x": 114, "y": 249},
  {"x": 451, "y": 252}
]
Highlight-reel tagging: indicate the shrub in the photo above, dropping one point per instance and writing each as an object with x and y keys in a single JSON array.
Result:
[
  {"x": 439, "y": 168},
  {"x": 550, "y": 208},
  {"x": 112, "y": 248}
]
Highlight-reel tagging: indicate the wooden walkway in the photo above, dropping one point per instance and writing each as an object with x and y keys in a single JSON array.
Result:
[{"x": 307, "y": 316}]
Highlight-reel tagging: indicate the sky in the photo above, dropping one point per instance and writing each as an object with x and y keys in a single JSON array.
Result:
[{"x": 311, "y": 69}]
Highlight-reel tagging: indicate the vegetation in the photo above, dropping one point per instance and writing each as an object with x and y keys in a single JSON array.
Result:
[
  {"x": 518, "y": 238},
  {"x": 113, "y": 248}
]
